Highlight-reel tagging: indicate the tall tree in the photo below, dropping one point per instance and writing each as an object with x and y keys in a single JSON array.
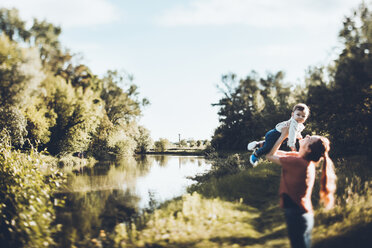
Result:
[
  {"x": 121, "y": 105},
  {"x": 12, "y": 26},
  {"x": 249, "y": 108},
  {"x": 342, "y": 105}
]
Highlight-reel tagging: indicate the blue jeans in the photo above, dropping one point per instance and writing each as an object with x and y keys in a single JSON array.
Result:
[
  {"x": 299, "y": 226},
  {"x": 270, "y": 138}
]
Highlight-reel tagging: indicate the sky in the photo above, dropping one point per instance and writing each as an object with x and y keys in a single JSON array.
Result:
[{"x": 178, "y": 50}]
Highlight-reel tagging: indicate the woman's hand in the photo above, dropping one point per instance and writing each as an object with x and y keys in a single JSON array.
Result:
[
  {"x": 285, "y": 131},
  {"x": 272, "y": 156}
]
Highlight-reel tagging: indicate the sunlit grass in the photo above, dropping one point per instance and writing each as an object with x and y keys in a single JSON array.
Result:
[
  {"x": 349, "y": 224},
  {"x": 242, "y": 210},
  {"x": 195, "y": 221}
]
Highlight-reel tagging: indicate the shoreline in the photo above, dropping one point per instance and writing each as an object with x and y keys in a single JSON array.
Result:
[{"x": 182, "y": 152}]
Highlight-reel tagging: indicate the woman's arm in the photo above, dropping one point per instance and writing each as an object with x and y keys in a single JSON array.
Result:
[{"x": 274, "y": 154}]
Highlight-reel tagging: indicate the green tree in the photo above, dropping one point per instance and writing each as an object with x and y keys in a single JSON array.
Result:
[
  {"x": 78, "y": 116},
  {"x": 249, "y": 108},
  {"x": 340, "y": 95},
  {"x": 161, "y": 145},
  {"x": 144, "y": 141},
  {"x": 183, "y": 143},
  {"x": 13, "y": 123},
  {"x": 20, "y": 73},
  {"x": 45, "y": 36},
  {"x": 121, "y": 105},
  {"x": 12, "y": 26}
]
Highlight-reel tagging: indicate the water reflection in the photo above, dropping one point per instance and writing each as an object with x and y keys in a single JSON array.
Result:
[{"x": 109, "y": 194}]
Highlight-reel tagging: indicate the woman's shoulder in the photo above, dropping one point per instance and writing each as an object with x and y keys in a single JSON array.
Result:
[
  {"x": 292, "y": 158},
  {"x": 289, "y": 154}
]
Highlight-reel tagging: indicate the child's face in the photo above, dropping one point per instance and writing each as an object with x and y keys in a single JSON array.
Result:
[{"x": 300, "y": 116}]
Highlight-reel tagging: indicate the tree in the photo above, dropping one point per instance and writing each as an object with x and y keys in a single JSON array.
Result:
[
  {"x": 183, "y": 143},
  {"x": 144, "y": 141},
  {"x": 42, "y": 35},
  {"x": 12, "y": 26},
  {"x": 20, "y": 73},
  {"x": 161, "y": 145},
  {"x": 250, "y": 108},
  {"x": 13, "y": 123},
  {"x": 121, "y": 106},
  {"x": 342, "y": 104}
]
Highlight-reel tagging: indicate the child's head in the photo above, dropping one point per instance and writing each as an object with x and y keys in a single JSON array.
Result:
[{"x": 300, "y": 112}]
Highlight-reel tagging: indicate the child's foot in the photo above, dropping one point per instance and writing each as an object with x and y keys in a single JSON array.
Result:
[
  {"x": 253, "y": 160},
  {"x": 252, "y": 145}
]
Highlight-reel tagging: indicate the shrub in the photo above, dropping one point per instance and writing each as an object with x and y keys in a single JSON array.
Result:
[
  {"x": 13, "y": 122},
  {"x": 26, "y": 204}
]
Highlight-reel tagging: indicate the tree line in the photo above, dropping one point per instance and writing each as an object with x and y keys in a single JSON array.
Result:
[
  {"x": 49, "y": 101},
  {"x": 339, "y": 96}
]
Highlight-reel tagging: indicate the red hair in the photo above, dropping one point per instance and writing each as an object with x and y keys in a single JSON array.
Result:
[{"x": 320, "y": 149}]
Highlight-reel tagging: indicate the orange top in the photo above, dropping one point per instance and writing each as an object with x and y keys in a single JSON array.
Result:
[{"x": 297, "y": 180}]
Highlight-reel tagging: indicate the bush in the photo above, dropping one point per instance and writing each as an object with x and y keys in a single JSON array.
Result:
[
  {"x": 14, "y": 124},
  {"x": 26, "y": 204},
  {"x": 162, "y": 145},
  {"x": 144, "y": 141}
]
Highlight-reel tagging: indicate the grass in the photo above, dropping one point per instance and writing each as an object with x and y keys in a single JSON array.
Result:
[{"x": 240, "y": 209}]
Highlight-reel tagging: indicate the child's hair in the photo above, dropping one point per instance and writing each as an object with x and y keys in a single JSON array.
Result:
[
  {"x": 301, "y": 107},
  {"x": 320, "y": 148}
]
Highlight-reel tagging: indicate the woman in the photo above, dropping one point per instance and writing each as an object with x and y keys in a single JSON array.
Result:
[{"x": 296, "y": 184}]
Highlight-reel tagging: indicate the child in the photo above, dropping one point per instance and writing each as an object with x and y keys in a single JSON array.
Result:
[{"x": 300, "y": 113}]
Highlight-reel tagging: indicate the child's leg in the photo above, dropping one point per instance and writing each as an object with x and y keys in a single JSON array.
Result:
[
  {"x": 260, "y": 143},
  {"x": 270, "y": 138}
]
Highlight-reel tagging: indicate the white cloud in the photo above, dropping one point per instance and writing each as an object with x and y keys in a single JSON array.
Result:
[
  {"x": 263, "y": 13},
  {"x": 67, "y": 13}
]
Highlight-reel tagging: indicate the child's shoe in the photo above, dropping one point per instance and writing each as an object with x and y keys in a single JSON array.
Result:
[
  {"x": 253, "y": 160},
  {"x": 252, "y": 145}
]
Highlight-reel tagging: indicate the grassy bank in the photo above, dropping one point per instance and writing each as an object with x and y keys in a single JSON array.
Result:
[{"x": 240, "y": 209}]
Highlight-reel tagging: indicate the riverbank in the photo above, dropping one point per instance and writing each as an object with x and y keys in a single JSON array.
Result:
[
  {"x": 240, "y": 209},
  {"x": 179, "y": 151}
]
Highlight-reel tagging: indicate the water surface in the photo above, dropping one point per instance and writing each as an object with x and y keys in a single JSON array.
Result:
[{"x": 111, "y": 193}]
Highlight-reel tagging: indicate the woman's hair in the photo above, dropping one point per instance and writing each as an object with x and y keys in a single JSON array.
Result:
[{"x": 318, "y": 149}]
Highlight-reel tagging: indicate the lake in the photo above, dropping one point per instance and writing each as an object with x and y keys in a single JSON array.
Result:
[{"x": 112, "y": 193}]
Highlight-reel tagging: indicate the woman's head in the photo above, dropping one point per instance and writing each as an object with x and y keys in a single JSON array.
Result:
[{"x": 312, "y": 148}]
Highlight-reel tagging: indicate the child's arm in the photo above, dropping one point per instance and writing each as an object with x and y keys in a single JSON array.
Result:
[{"x": 292, "y": 134}]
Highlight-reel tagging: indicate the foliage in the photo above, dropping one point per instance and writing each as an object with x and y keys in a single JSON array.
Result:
[
  {"x": 67, "y": 107},
  {"x": 249, "y": 109},
  {"x": 185, "y": 222},
  {"x": 144, "y": 141},
  {"x": 241, "y": 210},
  {"x": 121, "y": 106},
  {"x": 183, "y": 143},
  {"x": 20, "y": 72},
  {"x": 27, "y": 206},
  {"x": 12, "y": 26},
  {"x": 161, "y": 145},
  {"x": 339, "y": 96},
  {"x": 40, "y": 119},
  {"x": 349, "y": 223},
  {"x": 347, "y": 121},
  {"x": 13, "y": 123}
]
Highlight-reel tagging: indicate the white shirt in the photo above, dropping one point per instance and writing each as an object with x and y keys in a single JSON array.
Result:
[{"x": 294, "y": 131}]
